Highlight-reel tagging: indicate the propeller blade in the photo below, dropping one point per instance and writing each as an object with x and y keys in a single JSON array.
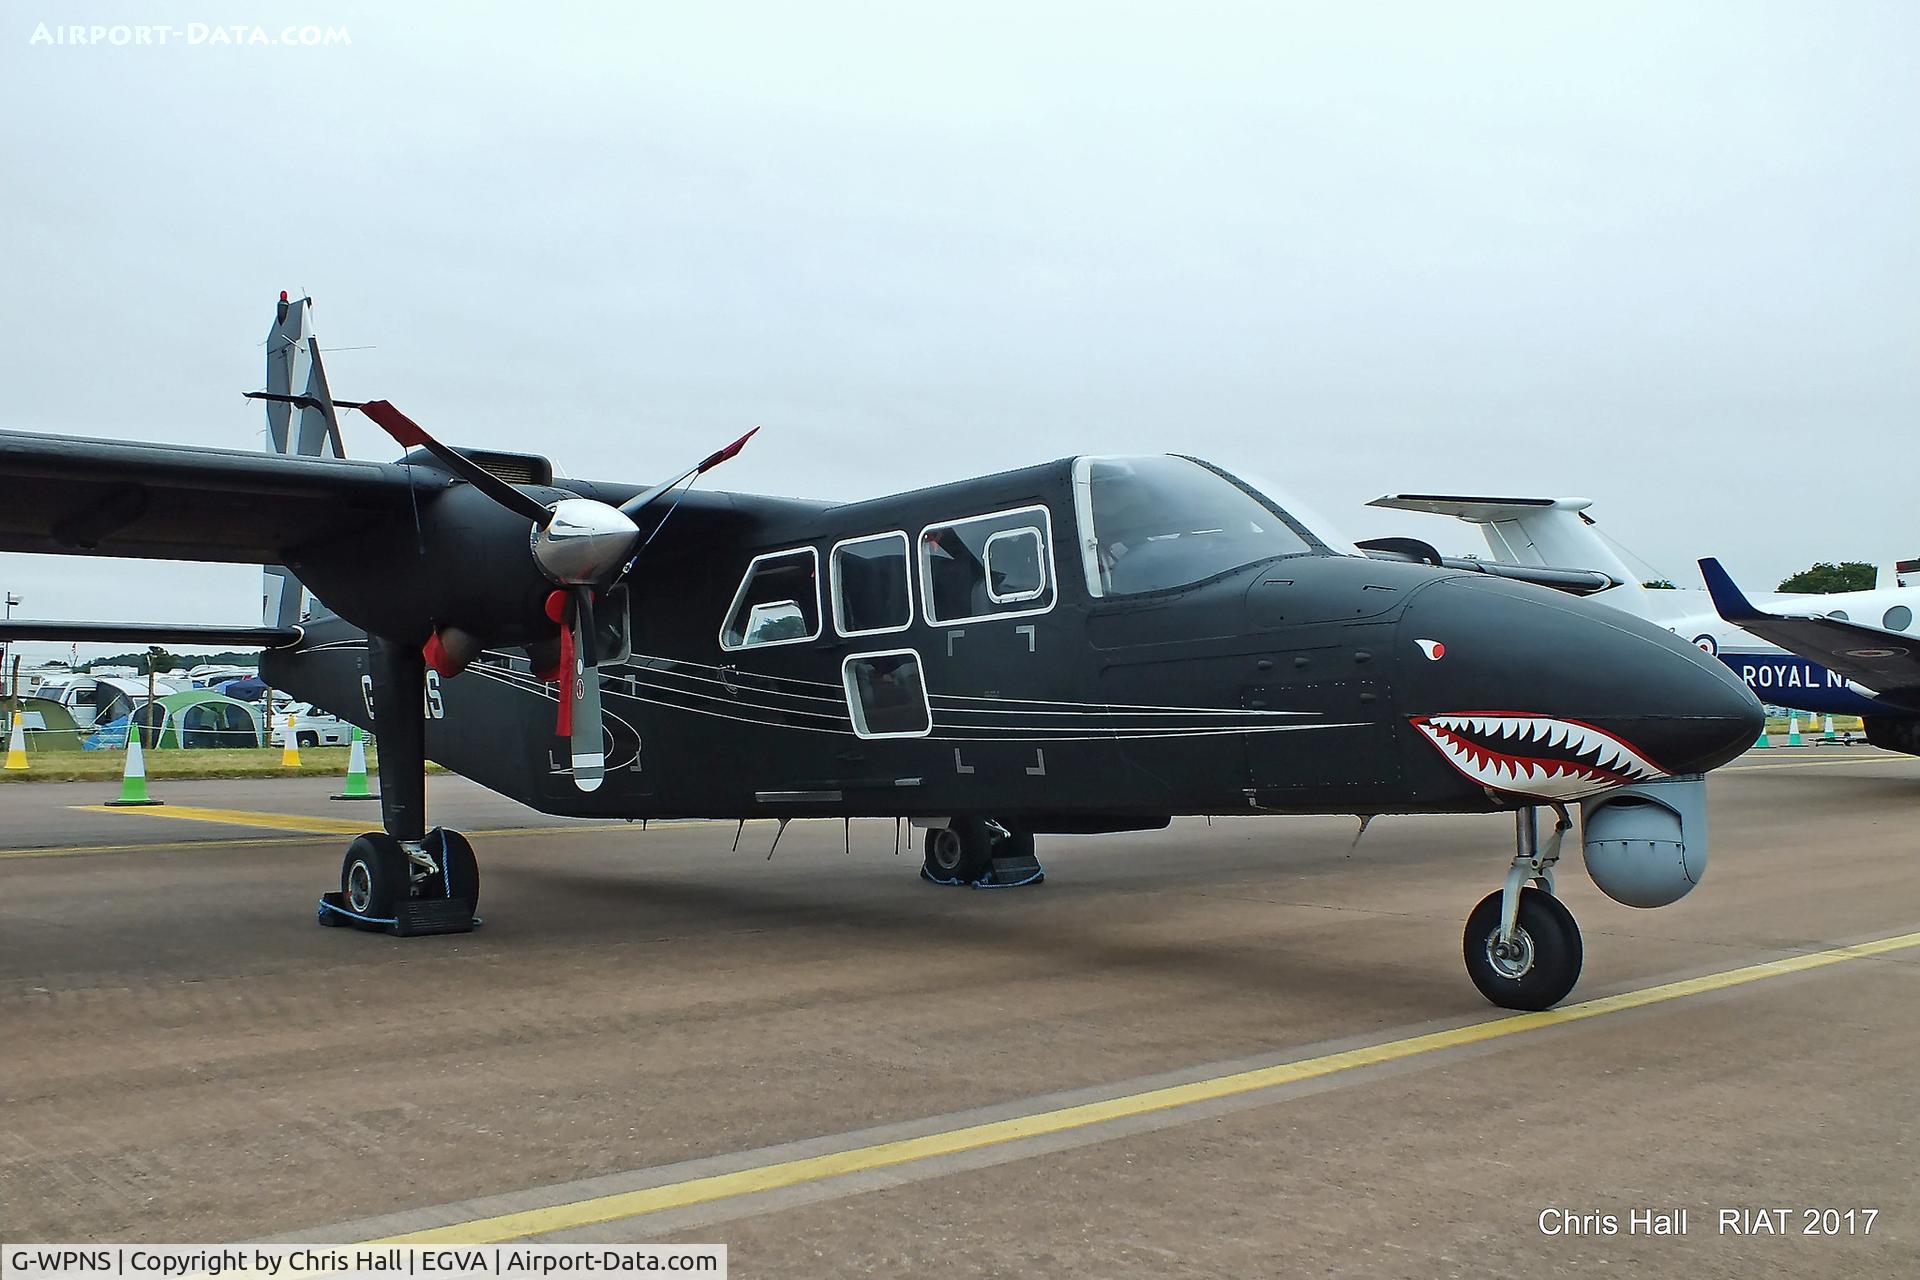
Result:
[
  {"x": 714, "y": 459},
  {"x": 411, "y": 434},
  {"x": 588, "y": 748},
  {"x": 640, "y": 501}
]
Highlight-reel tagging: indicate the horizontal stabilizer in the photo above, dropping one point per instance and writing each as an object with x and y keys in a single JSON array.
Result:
[
  {"x": 149, "y": 633},
  {"x": 1477, "y": 510},
  {"x": 1578, "y": 582},
  {"x": 1884, "y": 661}
]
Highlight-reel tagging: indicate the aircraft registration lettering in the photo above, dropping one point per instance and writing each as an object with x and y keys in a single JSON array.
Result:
[{"x": 433, "y": 703}]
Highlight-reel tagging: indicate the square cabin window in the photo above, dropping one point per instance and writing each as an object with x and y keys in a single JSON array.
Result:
[
  {"x": 1016, "y": 566},
  {"x": 778, "y": 602},
  {"x": 870, "y": 585},
  {"x": 886, "y": 696}
]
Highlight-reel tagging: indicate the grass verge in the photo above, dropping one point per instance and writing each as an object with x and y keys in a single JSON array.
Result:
[{"x": 264, "y": 762}]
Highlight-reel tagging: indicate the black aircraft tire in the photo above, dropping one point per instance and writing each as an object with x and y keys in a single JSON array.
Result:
[
  {"x": 373, "y": 876},
  {"x": 1552, "y": 953},
  {"x": 449, "y": 849},
  {"x": 959, "y": 853}
]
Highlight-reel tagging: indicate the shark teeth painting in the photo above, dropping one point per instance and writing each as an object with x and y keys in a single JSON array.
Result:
[{"x": 1535, "y": 756}]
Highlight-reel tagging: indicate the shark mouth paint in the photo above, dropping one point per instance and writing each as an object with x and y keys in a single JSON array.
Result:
[{"x": 1536, "y": 756}]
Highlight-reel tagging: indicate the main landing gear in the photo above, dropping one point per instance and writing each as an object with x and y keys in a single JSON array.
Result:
[
  {"x": 1522, "y": 946},
  {"x": 980, "y": 852},
  {"x": 404, "y": 880},
  {"x": 431, "y": 887}
]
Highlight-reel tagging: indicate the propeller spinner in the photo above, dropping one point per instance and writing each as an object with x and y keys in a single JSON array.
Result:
[{"x": 579, "y": 544}]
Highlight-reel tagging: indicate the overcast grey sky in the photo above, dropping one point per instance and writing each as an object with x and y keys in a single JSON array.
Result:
[{"x": 1658, "y": 255}]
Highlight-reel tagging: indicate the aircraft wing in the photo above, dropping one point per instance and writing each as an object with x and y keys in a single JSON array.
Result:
[
  {"x": 149, "y": 633},
  {"x": 63, "y": 495},
  {"x": 1885, "y": 661}
]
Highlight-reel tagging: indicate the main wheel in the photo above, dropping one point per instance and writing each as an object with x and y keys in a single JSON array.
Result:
[
  {"x": 459, "y": 875},
  {"x": 1539, "y": 966},
  {"x": 373, "y": 877},
  {"x": 960, "y": 853}
]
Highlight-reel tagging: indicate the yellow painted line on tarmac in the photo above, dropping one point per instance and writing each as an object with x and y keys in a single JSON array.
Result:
[
  {"x": 158, "y": 846},
  {"x": 236, "y": 818},
  {"x": 256, "y": 842},
  {"x": 1826, "y": 763},
  {"x": 771, "y": 1177}
]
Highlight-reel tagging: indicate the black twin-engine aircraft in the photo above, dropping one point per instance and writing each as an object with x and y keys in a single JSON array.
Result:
[{"x": 1090, "y": 645}]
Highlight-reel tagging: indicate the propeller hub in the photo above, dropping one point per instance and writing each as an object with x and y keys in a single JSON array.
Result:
[{"x": 585, "y": 542}]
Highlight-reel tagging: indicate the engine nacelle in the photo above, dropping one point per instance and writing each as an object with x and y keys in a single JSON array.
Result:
[{"x": 1646, "y": 845}]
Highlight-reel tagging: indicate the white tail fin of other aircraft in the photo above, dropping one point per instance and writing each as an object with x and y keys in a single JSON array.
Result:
[{"x": 1553, "y": 532}]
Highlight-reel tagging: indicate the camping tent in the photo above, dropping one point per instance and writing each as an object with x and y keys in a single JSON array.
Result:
[
  {"x": 246, "y": 689},
  {"x": 198, "y": 718},
  {"x": 49, "y": 726}
]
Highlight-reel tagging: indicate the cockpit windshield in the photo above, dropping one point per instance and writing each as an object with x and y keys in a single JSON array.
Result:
[{"x": 1159, "y": 522}]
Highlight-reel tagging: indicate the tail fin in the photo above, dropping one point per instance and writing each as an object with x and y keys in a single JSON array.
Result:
[
  {"x": 1530, "y": 531},
  {"x": 1899, "y": 573},
  {"x": 293, "y": 360}
]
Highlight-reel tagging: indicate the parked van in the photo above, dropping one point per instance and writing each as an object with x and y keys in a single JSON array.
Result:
[{"x": 312, "y": 727}]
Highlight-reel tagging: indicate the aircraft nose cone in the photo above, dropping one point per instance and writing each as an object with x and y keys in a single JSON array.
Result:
[{"x": 1540, "y": 693}]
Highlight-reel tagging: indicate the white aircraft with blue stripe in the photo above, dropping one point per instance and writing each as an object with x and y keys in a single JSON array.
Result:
[{"x": 1762, "y": 638}]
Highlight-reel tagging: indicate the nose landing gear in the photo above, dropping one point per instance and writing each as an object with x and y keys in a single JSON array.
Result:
[{"x": 1522, "y": 947}]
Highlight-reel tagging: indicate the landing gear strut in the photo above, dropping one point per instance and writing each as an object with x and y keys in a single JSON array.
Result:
[
  {"x": 1522, "y": 946},
  {"x": 982, "y": 853},
  {"x": 405, "y": 880}
]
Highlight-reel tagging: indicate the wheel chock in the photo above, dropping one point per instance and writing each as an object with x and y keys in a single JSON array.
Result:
[
  {"x": 1015, "y": 871},
  {"x": 420, "y": 917}
]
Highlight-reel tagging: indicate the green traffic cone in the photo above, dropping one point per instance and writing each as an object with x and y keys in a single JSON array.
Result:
[
  {"x": 357, "y": 771},
  {"x": 133, "y": 780},
  {"x": 1763, "y": 742}
]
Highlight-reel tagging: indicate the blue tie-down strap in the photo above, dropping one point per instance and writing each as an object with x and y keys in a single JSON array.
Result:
[
  {"x": 988, "y": 882},
  {"x": 325, "y": 907}
]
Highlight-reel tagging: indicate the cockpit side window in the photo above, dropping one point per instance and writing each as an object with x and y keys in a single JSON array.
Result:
[
  {"x": 1156, "y": 523},
  {"x": 778, "y": 602}
]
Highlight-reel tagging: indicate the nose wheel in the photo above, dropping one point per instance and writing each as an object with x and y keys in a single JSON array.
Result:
[
  {"x": 1536, "y": 964},
  {"x": 1522, "y": 946}
]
